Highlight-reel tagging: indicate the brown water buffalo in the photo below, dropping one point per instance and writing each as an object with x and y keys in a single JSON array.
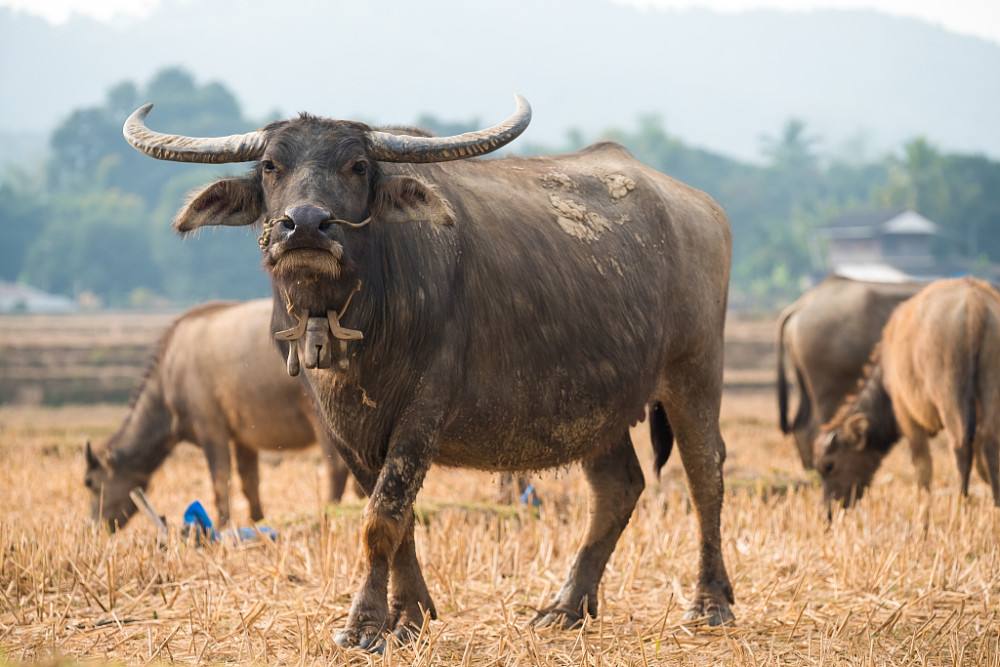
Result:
[
  {"x": 504, "y": 315},
  {"x": 214, "y": 379},
  {"x": 934, "y": 369},
  {"x": 828, "y": 335}
]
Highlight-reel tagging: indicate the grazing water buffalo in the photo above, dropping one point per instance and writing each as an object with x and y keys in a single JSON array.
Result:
[
  {"x": 828, "y": 335},
  {"x": 505, "y": 315},
  {"x": 934, "y": 369},
  {"x": 215, "y": 378}
]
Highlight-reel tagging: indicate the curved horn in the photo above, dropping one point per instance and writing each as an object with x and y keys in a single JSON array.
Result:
[
  {"x": 389, "y": 147},
  {"x": 178, "y": 148}
]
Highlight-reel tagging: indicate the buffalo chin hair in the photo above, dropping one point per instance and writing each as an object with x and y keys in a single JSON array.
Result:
[{"x": 310, "y": 261}]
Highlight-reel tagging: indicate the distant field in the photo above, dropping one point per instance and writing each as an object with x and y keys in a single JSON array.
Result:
[
  {"x": 898, "y": 581},
  {"x": 57, "y": 359},
  {"x": 98, "y": 358}
]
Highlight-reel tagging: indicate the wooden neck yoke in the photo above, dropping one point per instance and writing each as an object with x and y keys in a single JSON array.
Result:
[{"x": 315, "y": 335}]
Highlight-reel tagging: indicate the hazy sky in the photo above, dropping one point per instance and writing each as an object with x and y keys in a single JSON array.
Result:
[{"x": 973, "y": 17}]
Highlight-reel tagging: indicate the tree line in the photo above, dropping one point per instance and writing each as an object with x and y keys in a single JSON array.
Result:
[{"x": 97, "y": 219}]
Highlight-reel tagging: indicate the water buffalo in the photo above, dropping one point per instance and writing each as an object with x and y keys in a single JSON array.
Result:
[
  {"x": 504, "y": 315},
  {"x": 215, "y": 378},
  {"x": 828, "y": 335},
  {"x": 933, "y": 370}
]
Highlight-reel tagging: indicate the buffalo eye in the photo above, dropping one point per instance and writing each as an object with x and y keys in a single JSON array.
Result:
[
  {"x": 360, "y": 167},
  {"x": 825, "y": 467},
  {"x": 268, "y": 166},
  {"x": 89, "y": 483}
]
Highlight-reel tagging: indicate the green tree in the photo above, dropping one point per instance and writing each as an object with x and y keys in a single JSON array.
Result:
[
  {"x": 793, "y": 149},
  {"x": 918, "y": 180},
  {"x": 221, "y": 263},
  {"x": 22, "y": 214},
  {"x": 100, "y": 220},
  {"x": 107, "y": 230},
  {"x": 97, "y": 242},
  {"x": 88, "y": 151}
]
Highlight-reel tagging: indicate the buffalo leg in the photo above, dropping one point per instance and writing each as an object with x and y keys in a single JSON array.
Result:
[
  {"x": 408, "y": 594},
  {"x": 920, "y": 454},
  {"x": 511, "y": 488},
  {"x": 220, "y": 468},
  {"x": 409, "y": 598},
  {"x": 982, "y": 467},
  {"x": 694, "y": 414},
  {"x": 388, "y": 524},
  {"x": 249, "y": 468},
  {"x": 339, "y": 473},
  {"x": 990, "y": 453},
  {"x": 336, "y": 466},
  {"x": 920, "y": 451},
  {"x": 963, "y": 458},
  {"x": 506, "y": 493},
  {"x": 616, "y": 481}
]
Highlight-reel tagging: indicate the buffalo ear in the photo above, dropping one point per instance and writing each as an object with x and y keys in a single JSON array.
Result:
[
  {"x": 823, "y": 444},
  {"x": 856, "y": 426},
  {"x": 230, "y": 201},
  {"x": 409, "y": 199},
  {"x": 92, "y": 461}
]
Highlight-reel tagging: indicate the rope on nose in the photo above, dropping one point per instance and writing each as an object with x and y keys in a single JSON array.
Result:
[
  {"x": 353, "y": 225},
  {"x": 265, "y": 233}
]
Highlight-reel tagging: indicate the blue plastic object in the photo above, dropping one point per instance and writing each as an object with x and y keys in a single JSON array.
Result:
[
  {"x": 196, "y": 519},
  {"x": 530, "y": 497}
]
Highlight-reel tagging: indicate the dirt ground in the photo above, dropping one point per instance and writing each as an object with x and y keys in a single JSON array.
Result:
[{"x": 900, "y": 580}]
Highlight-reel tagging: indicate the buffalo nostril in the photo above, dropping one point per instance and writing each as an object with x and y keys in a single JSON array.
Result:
[
  {"x": 308, "y": 216},
  {"x": 288, "y": 224},
  {"x": 325, "y": 225}
]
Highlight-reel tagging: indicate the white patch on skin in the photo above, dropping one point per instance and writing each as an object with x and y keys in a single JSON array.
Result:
[
  {"x": 618, "y": 185},
  {"x": 577, "y": 221},
  {"x": 557, "y": 179}
]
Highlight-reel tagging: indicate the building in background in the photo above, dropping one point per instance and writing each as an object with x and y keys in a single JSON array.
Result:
[
  {"x": 17, "y": 298},
  {"x": 888, "y": 245}
]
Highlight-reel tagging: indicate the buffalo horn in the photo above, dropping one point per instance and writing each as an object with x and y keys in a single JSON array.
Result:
[
  {"x": 389, "y": 147},
  {"x": 178, "y": 148}
]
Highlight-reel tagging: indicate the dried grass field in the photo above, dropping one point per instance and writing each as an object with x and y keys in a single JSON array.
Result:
[{"x": 900, "y": 580}]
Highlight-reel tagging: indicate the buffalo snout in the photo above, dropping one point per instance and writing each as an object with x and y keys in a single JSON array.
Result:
[
  {"x": 305, "y": 226},
  {"x": 307, "y": 217}
]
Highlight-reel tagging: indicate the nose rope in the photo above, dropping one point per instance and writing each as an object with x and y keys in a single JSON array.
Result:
[{"x": 265, "y": 233}]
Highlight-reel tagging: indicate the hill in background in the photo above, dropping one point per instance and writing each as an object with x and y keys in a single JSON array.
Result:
[{"x": 863, "y": 81}]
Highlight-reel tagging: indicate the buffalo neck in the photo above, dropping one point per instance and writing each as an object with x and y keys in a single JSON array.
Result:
[
  {"x": 398, "y": 289},
  {"x": 145, "y": 438},
  {"x": 407, "y": 277},
  {"x": 873, "y": 401}
]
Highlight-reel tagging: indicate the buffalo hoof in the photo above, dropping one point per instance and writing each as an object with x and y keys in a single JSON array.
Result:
[
  {"x": 406, "y": 633},
  {"x": 711, "y": 603},
  {"x": 366, "y": 638},
  {"x": 401, "y": 636},
  {"x": 559, "y": 618},
  {"x": 408, "y": 628},
  {"x": 711, "y": 609},
  {"x": 409, "y": 612}
]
